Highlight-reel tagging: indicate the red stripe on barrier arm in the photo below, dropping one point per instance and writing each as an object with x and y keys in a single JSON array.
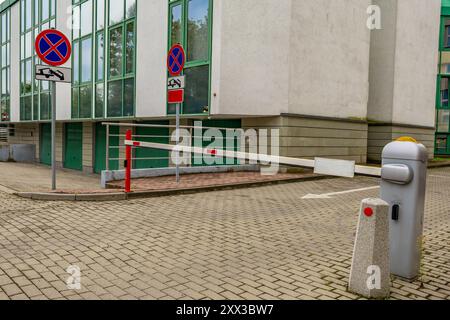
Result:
[
  {"x": 213, "y": 152},
  {"x": 128, "y": 163},
  {"x": 136, "y": 144}
]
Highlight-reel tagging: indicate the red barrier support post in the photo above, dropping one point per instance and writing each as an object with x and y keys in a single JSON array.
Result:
[{"x": 128, "y": 163}]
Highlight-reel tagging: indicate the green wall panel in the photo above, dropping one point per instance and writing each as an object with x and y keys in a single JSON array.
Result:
[
  {"x": 46, "y": 144},
  {"x": 73, "y": 151},
  {"x": 152, "y": 158}
]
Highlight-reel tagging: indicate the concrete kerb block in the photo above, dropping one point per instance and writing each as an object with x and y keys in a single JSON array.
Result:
[
  {"x": 101, "y": 197},
  {"x": 370, "y": 271}
]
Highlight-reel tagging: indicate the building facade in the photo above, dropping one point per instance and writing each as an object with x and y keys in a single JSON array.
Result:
[
  {"x": 442, "y": 96},
  {"x": 311, "y": 68}
]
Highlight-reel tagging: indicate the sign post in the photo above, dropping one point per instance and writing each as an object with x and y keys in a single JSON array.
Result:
[
  {"x": 175, "y": 90},
  {"x": 54, "y": 49}
]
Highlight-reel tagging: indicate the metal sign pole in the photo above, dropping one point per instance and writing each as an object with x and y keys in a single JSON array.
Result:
[
  {"x": 53, "y": 135},
  {"x": 177, "y": 137},
  {"x": 54, "y": 49}
]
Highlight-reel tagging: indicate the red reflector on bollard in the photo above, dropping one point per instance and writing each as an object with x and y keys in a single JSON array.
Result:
[{"x": 368, "y": 212}]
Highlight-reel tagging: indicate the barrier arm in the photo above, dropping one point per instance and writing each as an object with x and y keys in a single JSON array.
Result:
[{"x": 306, "y": 163}]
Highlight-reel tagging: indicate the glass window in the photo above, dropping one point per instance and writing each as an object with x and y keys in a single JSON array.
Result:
[
  {"x": 53, "y": 8},
  {"x": 194, "y": 35},
  {"x": 443, "y": 124},
  {"x": 176, "y": 25},
  {"x": 28, "y": 14},
  {"x": 197, "y": 88},
  {"x": 447, "y": 34},
  {"x": 75, "y": 101},
  {"x": 115, "y": 98},
  {"x": 115, "y": 52},
  {"x": 100, "y": 56},
  {"x": 4, "y": 28},
  {"x": 45, "y": 106},
  {"x": 27, "y": 72},
  {"x": 76, "y": 66},
  {"x": 99, "y": 101},
  {"x": 198, "y": 30},
  {"x": 130, "y": 8},
  {"x": 86, "y": 58},
  {"x": 444, "y": 92},
  {"x": 86, "y": 18},
  {"x": 100, "y": 14},
  {"x": 441, "y": 143},
  {"x": 45, "y": 9},
  {"x": 128, "y": 103},
  {"x": 86, "y": 102},
  {"x": 33, "y": 13},
  {"x": 28, "y": 45},
  {"x": 130, "y": 48},
  {"x": 76, "y": 22},
  {"x": 116, "y": 14}
]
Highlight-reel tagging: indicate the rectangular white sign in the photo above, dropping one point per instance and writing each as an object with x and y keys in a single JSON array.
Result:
[
  {"x": 57, "y": 74},
  {"x": 338, "y": 168},
  {"x": 176, "y": 83}
]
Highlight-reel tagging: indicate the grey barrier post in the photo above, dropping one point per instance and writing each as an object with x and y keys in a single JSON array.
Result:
[{"x": 403, "y": 186}]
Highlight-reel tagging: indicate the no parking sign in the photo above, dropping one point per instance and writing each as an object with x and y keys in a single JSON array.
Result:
[
  {"x": 53, "y": 47},
  {"x": 176, "y": 60}
]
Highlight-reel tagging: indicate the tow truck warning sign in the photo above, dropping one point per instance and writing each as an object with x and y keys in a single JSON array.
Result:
[{"x": 57, "y": 74}]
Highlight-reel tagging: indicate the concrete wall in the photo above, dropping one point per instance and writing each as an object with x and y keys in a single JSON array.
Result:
[
  {"x": 88, "y": 140},
  {"x": 63, "y": 90},
  {"x": 329, "y": 58},
  {"x": 415, "y": 68},
  {"x": 380, "y": 135},
  {"x": 151, "y": 55},
  {"x": 303, "y": 137},
  {"x": 27, "y": 133},
  {"x": 301, "y": 57},
  {"x": 402, "y": 72},
  {"x": 250, "y": 63},
  {"x": 403, "y": 69}
]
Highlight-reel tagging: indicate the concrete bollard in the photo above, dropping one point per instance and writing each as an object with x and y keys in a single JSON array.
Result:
[{"x": 370, "y": 271}]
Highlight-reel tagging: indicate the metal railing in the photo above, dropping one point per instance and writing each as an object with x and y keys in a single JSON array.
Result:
[{"x": 120, "y": 147}]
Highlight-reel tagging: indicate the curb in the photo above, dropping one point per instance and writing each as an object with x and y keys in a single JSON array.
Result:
[
  {"x": 120, "y": 196},
  {"x": 438, "y": 165}
]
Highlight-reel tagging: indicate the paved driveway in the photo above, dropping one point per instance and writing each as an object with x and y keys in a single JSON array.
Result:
[
  {"x": 25, "y": 177},
  {"x": 261, "y": 243}
]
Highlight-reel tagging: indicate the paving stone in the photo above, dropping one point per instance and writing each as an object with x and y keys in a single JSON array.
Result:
[{"x": 261, "y": 243}]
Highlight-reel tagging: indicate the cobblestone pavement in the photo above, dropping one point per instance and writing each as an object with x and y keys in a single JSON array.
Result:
[{"x": 261, "y": 243}]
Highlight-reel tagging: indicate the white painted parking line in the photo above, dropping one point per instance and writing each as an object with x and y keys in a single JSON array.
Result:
[{"x": 330, "y": 195}]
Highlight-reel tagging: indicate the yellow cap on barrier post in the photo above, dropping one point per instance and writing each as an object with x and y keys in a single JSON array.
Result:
[{"x": 406, "y": 139}]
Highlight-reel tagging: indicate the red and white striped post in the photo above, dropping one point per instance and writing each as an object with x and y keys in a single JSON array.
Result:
[{"x": 128, "y": 137}]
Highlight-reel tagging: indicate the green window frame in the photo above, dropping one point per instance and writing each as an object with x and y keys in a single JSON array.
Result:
[
  {"x": 442, "y": 141},
  {"x": 194, "y": 33},
  {"x": 90, "y": 97},
  {"x": 5, "y": 65},
  {"x": 121, "y": 53},
  {"x": 83, "y": 21},
  {"x": 35, "y": 96}
]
